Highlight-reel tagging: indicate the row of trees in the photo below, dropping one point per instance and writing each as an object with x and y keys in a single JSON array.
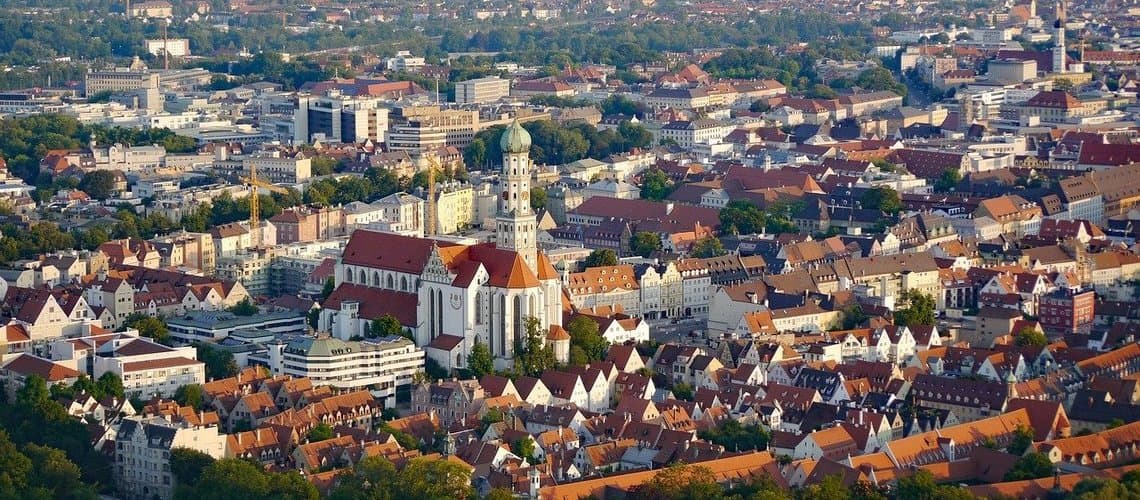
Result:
[
  {"x": 26, "y": 140},
  {"x": 556, "y": 144},
  {"x": 744, "y": 217}
]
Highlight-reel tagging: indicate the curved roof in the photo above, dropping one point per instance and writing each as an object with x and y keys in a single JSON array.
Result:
[{"x": 515, "y": 139}]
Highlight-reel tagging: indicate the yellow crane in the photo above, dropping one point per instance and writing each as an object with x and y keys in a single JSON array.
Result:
[{"x": 255, "y": 204}]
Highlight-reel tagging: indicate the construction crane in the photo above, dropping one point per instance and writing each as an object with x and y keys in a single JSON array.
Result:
[{"x": 255, "y": 204}]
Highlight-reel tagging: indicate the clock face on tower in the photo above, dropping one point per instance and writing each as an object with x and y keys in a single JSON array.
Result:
[{"x": 525, "y": 195}]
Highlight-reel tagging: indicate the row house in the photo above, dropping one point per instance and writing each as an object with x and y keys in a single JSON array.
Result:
[{"x": 607, "y": 286}]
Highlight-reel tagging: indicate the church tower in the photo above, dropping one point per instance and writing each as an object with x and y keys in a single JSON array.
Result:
[
  {"x": 1059, "y": 56},
  {"x": 516, "y": 227}
]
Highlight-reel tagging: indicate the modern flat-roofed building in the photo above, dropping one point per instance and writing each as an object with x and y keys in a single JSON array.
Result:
[
  {"x": 212, "y": 326},
  {"x": 482, "y": 90}
]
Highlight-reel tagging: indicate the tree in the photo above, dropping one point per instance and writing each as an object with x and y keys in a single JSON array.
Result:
[
  {"x": 232, "y": 478},
  {"x": 1031, "y": 337},
  {"x": 434, "y": 479},
  {"x": 584, "y": 335},
  {"x": 99, "y": 184},
  {"x": 320, "y": 432},
  {"x": 14, "y": 468},
  {"x": 921, "y": 484},
  {"x": 708, "y": 247},
  {"x": 537, "y": 198},
  {"x": 679, "y": 481},
  {"x": 742, "y": 217},
  {"x": 56, "y": 475},
  {"x": 109, "y": 385},
  {"x": 322, "y": 165},
  {"x": 532, "y": 355},
  {"x": 244, "y": 308},
  {"x": 683, "y": 391},
  {"x": 1031, "y": 466},
  {"x": 919, "y": 311},
  {"x": 882, "y": 198},
  {"x": 1022, "y": 440},
  {"x": 737, "y": 437},
  {"x": 149, "y": 327},
  {"x": 524, "y": 448},
  {"x": 601, "y": 257},
  {"x": 190, "y": 395},
  {"x": 655, "y": 184},
  {"x": 480, "y": 361},
  {"x": 328, "y": 288},
  {"x": 385, "y": 326},
  {"x": 759, "y": 106},
  {"x": 644, "y": 243},
  {"x": 948, "y": 180},
  {"x": 220, "y": 363}
]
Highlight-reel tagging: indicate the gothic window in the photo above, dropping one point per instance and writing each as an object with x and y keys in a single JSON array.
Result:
[
  {"x": 503, "y": 325},
  {"x": 376, "y": 278},
  {"x": 404, "y": 283},
  {"x": 363, "y": 278},
  {"x": 348, "y": 276},
  {"x": 478, "y": 308},
  {"x": 439, "y": 312},
  {"x": 391, "y": 283}
]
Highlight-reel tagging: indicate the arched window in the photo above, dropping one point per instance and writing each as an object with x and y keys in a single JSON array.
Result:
[
  {"x": 391, "y": 282},
  {"x": 478, "y": 308},
  {"x": 348, "y": 276},
  {"x": 404, "y": 283},
  {"x": 439, "y": 312},
  {"x": 363, "y": 278},
  {"x": 376, "y": 278}
]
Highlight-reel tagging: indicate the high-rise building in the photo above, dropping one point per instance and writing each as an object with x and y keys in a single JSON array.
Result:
[{"x": 336, "y": 117}]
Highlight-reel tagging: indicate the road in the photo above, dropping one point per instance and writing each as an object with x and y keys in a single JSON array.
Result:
[{"x": 666, "y": 331}]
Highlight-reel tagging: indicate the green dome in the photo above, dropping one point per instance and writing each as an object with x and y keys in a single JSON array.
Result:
[{"x": 515, "y": 139}]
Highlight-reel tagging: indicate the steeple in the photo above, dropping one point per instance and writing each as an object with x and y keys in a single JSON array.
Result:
[
  {"x": 516, "y": 227},
  {"x": 1059, "y": 56}
]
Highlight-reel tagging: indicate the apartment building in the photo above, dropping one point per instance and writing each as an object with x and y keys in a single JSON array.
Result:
[
  {"x": 380, "y": 364},
  {"x": 142, "y": 454},
  {"x": 278, "y": 167}
]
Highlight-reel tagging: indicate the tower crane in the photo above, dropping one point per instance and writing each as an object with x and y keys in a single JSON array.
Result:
[{"x": 255, "y": 204}]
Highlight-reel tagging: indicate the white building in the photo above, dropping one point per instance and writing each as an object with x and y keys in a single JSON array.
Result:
[
  {"x": 142, "y": 454},
  {"x": 148, "y": 368},
  {"x": 482, "y": 90},
  {"x": 381, "y": 364},
  {"x": 213, "y": 326},
  {"x": 404, "y": 61},
  {"x": 484, "y": 292},
  {"x": 399, "y": 213}
]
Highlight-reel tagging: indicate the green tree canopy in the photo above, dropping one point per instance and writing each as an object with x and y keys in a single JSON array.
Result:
[
  {"x": 244, "y": 308},
  {"x": 644, "y": 243},
  {"x": 1031, "y": 337},
  {"x": 708, "y": 247},
  {"x": 190, "y": 395},
  {"x": 601, "y": 257},
  {"x": 320, "y": 432},
  {"x": 882, "y": 198},
  {"x": 537, "y": 198},
  {"x": 655, "y": 184},
  {"x": 480, "y": 362},
  {"x": 1031, "y": 466},
  {"x": 919, "y": 309},
  {"x": 99, "y": 184},
  {"x": 584, "y": 335},
  {"x": 386, "y": 325}
]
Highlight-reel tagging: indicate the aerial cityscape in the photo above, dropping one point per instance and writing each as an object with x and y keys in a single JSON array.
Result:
[{"x": 605, "y": 249}]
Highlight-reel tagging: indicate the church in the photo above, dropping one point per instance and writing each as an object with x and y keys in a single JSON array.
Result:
[{"x": 451, "y": 295}]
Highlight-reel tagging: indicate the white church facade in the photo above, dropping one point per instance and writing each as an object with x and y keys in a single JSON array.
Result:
[{"x": 451, "y": 295}]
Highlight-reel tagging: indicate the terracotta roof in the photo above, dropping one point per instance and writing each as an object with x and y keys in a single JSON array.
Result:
[
  {"x": 27, "y": 364},
  {"x": 375, "y": 302}
]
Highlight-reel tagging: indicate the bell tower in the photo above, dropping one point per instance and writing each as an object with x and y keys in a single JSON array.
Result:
[{"x": 516, "y": 227}]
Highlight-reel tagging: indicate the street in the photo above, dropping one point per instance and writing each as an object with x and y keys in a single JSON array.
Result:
[{"x": 665, "y": 331}]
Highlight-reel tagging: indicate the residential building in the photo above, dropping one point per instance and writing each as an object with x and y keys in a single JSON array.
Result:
[
  {"x": 142, "y": 454},
  {"x": 1067, "y": 312},
  {"x": 381, "y": 365}
]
